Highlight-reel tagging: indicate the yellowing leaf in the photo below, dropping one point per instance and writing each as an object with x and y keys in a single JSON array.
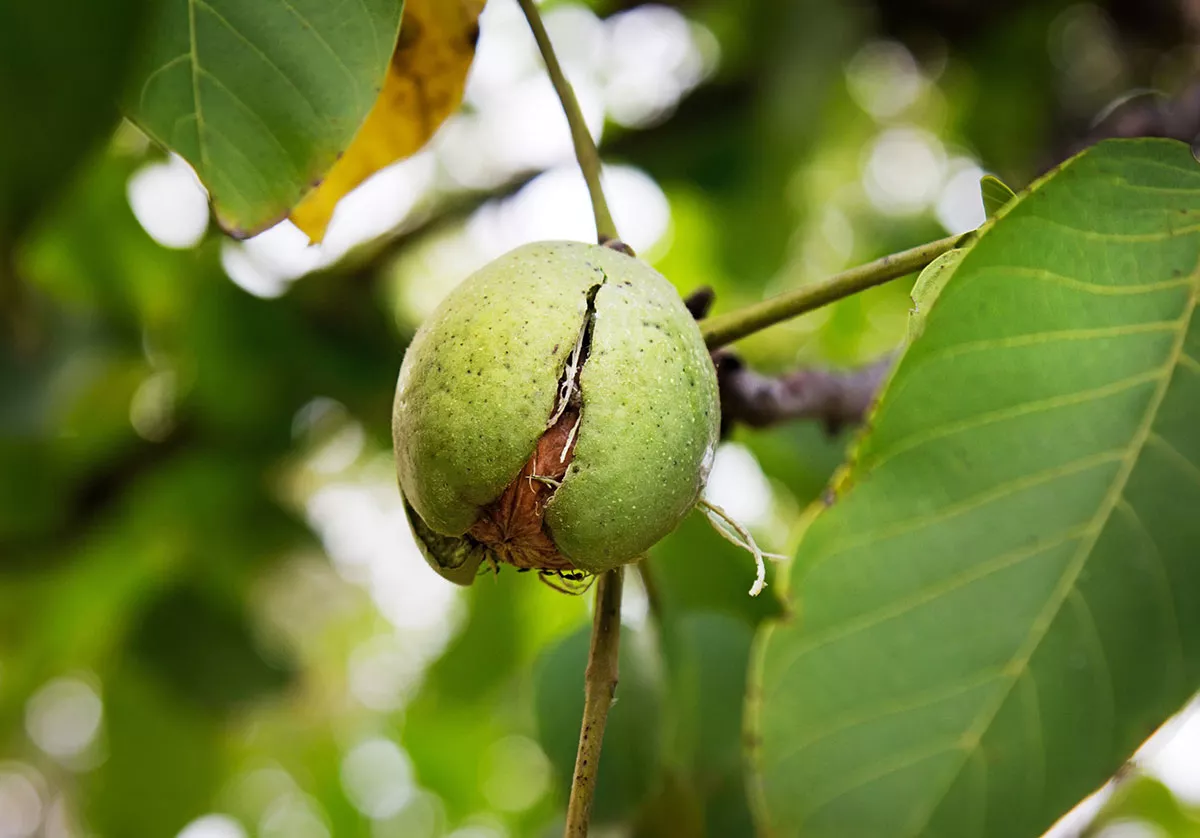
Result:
[{"x": 424, "y": 85}]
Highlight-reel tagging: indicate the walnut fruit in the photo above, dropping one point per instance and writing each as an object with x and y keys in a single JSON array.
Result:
[{"x": 558, "y": 412}]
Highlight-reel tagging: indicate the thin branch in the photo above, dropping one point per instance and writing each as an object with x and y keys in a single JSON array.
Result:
[
  {"x": 736, "y": 325},
  {"x": 600, "y": 686},
  {"x": 835, "y": 398},
  {"x": 585, "y": 146}
]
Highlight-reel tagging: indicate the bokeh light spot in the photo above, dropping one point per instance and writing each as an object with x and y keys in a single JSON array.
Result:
[
  {"x": 516, "y": 774},
  {"x": 20, "y": 801},
  {"x": 904, "y": 171},
  {"x": 656, "y": 57},
  {"x": 737, "y": 485},
  {"x": 884, "y": 79},
  {"x": 378, "y": 778},
  {"x": 213, "y": 826},
  {"x": 63, "y": 717},
  {"x": 960, "y": 205},
  {"x": 169, "y": 202}
]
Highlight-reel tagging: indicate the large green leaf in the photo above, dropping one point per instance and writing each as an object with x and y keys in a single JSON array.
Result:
[
  {"x": 1005, "y": 601},
  {"x": 62, "y": 66},
  {"x": 261, "y": 97}
]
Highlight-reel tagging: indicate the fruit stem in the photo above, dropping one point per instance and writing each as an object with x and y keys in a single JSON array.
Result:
[
  {"x": 600, "y": 686},
  {"x": 735, "y": 325},
  {"x": 585, "y": 146}
]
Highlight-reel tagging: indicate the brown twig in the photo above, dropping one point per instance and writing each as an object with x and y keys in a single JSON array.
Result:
[
  {"x": 600, "y": 686},
  {"x": 834, "y": 398}
]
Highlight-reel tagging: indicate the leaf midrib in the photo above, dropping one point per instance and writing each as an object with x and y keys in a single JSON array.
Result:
[
  {"x": 195, "y": 59},
  {"x": 1018, "y": 666}
]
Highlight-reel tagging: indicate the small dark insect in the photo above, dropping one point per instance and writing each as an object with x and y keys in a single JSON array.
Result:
[{"x": 573, "y": 582}]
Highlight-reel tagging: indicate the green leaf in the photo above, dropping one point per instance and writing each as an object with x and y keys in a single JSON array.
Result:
[
  {"x": 62, "y": 66},
  {"x": 163, "y": 766},
  {"x": 261, "y": 97},
  {"x": 202, "y": 646},
  {"x": 709, "y": 657},
  {"x": 631, "y": 761},
  {"x": 996, "y": 193},
  {"x": 1006, "y": 600},
  {"x": 708, "y": 681},
  {"x": 928, "y": 286}
]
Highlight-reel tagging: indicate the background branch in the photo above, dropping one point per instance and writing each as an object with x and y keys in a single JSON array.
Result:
[{"x": 834, "y": 398}]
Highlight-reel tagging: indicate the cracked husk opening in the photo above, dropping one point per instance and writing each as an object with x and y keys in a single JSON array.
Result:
[{"x": 512, "y": 527}]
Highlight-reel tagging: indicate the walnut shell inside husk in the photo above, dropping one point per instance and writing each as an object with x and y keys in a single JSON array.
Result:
[{"x": 558, "y": 412}]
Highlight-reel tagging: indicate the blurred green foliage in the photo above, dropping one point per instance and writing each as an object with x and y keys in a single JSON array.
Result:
[{"x": 198, "y": 521}]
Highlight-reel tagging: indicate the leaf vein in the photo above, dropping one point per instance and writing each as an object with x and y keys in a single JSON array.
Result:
[
  {"x": 981, "y": 570},
  {"x": 257, "y": 118},
  {"x": 261, "y": 54},
  {"x": 927, "y": 435},
  {"x": 1163, "y": 578},
  {"x": 1039, "y": 338},
  {"x": 1033, "y": 713},
  {"x": 980, "y": 499},
  {"x": 253, "y": 168},
  {"x": 200, "y": 127},
  {"x": 1100, "y": 289},
  {"x": 1095, "y": 645},
  {"x": 321, "y": 39},
  {"x": 1093, "y": 235},
  {"x": 1176, "y": 456},
  {"x": 914, "y": 757},
  {"x": 1125, "y": 183},
  {"x": 158, "y": 71},
  {"x": 879, "y": 713}
]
